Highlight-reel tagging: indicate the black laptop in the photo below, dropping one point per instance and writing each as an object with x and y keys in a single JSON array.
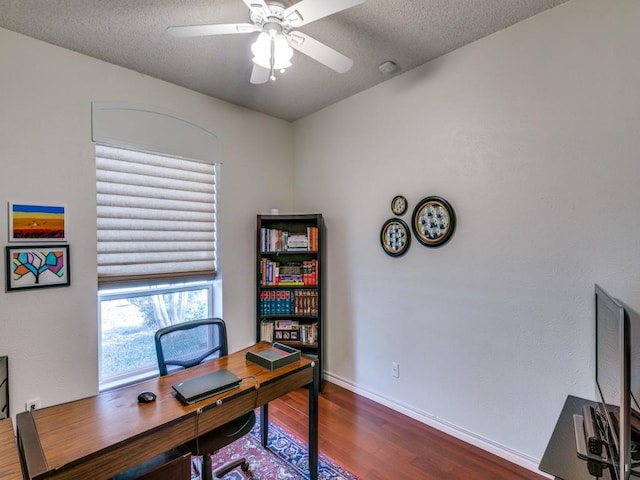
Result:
[{"x": 199, "y": 388}]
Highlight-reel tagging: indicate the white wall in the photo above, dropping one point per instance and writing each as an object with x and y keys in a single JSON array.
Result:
[
  {"x": 533, "y": 135},
  {"x": 47, "y": 156}
]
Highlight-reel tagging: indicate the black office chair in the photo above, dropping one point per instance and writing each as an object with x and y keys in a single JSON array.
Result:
[{"x": 188, "y": 344}]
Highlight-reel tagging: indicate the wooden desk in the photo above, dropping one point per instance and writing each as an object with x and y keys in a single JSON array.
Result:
[
  {"x": 100, "y": 436},
  {"x": 9, "y": 460}
]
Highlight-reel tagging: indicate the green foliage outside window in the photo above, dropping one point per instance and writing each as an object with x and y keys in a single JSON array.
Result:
[{"x": 129, "y": 325}]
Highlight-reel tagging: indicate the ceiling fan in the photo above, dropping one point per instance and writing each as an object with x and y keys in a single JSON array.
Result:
[{"x": 274, "y": 46}]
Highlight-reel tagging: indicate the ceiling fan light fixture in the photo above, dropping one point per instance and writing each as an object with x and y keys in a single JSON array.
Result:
[
  {"x": 262, "y": 49},
  {"x": 272, "y": 28},
  {"x": 282, "y": 52}
]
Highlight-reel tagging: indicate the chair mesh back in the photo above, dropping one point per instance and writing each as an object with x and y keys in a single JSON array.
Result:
[{"x": 190, "y": 343}]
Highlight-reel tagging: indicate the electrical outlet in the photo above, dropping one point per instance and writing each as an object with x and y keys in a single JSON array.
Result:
[
  {"x": 395, "y": 369},
  {"x": 31, "y": 405}
]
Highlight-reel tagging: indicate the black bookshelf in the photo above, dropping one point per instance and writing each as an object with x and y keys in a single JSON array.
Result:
[{"x": 289, "y": 282}]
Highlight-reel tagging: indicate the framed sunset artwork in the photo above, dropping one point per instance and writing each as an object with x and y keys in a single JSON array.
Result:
[{"x": 36, "y": 223}]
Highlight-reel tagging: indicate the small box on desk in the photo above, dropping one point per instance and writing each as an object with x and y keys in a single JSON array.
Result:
[{"x": 275, "y": 357}]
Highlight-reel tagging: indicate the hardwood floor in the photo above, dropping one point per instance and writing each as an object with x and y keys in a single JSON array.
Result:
[{"x": 376, "y": 443}]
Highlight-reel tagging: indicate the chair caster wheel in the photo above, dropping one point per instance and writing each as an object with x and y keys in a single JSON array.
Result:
[{"x": 245, "y": 466}]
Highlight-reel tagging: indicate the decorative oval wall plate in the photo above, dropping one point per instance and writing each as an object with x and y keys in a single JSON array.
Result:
[
  {"x": 433, "y": 221},
  {"x": 399, "y": 205},
  {"x": 395, "y": 237}
]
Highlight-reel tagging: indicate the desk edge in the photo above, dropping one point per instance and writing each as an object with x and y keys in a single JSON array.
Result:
[{"x": 26, "y": 432}]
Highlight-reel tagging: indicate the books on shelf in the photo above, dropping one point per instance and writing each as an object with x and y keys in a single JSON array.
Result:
[
  {"x": 292, "y": 274},
  {"x": 286, "y": 330},
  {"x": 276, "y": 302},
  {"x": 305, "y": 302},
  {"x": 275, "y": 357},
  {"x": 308, "y": 334},
  {"x": 297, "y": 242},
  {"x": 266, "y": 331},
  {"x": 289, "y": 331},
  {"x": 289, "y": 302},
  {"x": 275, "y": 240},
  {"x": 310, "y": 272},
  {"x": 312, "y": 234}
]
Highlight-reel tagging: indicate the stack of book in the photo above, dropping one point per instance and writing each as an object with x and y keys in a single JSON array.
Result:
[
  {"x": 291, "y": 274},
  {"x": 289, "y": 302},
  {"x": 270, "y": 272},
  {"x": 303, "y": 273},
  {"x": 275, "y": 240},
  {"x": 276, "y": 302},
  {"x": 305, "y": 302},
  {"x": 297, "y": 243},
  {"x": 266, "y": 331},
  {"x": 312, "y": 235},
  {"x": 308, "y": 334},
  {"x": 272, "y": 240},
  {"x": 310, "y": 272}
]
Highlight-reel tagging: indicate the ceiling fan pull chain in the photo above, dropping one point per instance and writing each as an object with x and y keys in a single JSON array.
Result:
[{"x": 272, "y": 62}]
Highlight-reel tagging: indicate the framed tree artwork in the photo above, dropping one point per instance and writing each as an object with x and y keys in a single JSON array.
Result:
[{"x": 39, "y": 266}]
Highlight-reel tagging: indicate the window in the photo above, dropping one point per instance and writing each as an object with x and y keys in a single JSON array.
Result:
[
  {"x": 129, "y": 318},
  {"x": 156, "y": 254}
]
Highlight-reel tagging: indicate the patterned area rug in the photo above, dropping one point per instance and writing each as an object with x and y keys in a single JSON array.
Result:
[{"x": 286, "y": 458}]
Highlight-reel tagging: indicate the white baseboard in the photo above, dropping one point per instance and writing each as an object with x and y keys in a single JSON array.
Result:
[{"x": 494, "y": 448}]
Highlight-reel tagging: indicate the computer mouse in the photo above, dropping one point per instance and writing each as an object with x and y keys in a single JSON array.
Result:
[{"x": 146, "y": 397}]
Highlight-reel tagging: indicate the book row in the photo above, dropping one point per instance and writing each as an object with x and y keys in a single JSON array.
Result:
[
  {"x": 289, "y": 331},
  {"x": 289, "y": 302},
  {"x": 275, "y": 240},
  {"x": 303, "y": 273}
]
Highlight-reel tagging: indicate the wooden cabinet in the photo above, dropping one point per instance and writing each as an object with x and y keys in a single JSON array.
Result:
[{"x": 289, "y": 282}]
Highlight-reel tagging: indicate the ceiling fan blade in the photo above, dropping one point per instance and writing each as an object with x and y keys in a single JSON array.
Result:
[
  {"x": 320, "y": 52},
  {"x": 259, "y": 74},
  {"x": 258, "y": 7},
  {"x": 203, "y": 30},
  {"x": 308, "y": 11}
]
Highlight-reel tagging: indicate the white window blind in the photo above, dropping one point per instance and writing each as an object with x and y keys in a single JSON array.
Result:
[{"x": 156, "y": 216}]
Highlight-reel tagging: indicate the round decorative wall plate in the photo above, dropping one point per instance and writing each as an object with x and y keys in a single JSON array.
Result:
[
  {"x": 395, "y": 237},
  {"x": 433, "y": 221},
  {"x": 398, "y": 205}
]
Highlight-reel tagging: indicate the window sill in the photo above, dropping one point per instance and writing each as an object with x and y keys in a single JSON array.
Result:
[{"x": 125, "y": 382}]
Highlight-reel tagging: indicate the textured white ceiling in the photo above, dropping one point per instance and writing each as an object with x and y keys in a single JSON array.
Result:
[{"x": 132, "y": 33}]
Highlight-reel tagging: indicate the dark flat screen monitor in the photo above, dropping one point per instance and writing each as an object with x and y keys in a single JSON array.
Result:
[{"x": 613, "y": 378}]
